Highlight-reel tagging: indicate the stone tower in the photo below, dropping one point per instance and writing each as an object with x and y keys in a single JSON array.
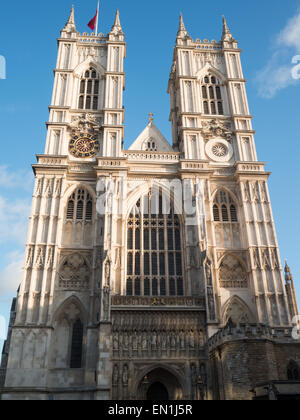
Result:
[{"x": 155, "y": 271}]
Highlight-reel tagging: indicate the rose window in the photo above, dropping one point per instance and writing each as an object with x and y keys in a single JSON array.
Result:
[{"x": 219, "y": 150}]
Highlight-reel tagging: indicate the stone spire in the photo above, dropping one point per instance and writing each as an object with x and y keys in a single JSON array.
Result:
[
  {"x": 226, "y": 36},
  {"x": 290, "y": 290},
  {"x": 288, "y": 275},
  {"x": 70, "y": 25},
  {"x": 182, "y": 32},
  {"x": 116, "y": 30},
  {"x": 117, "y": 24}
]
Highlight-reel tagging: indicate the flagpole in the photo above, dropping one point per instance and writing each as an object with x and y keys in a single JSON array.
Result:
[{"x": 97, "y": 20}]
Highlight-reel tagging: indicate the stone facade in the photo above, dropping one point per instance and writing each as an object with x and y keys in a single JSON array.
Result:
[{"x": 154, "y": 270}]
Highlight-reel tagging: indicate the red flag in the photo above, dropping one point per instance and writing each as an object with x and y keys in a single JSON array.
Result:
[{"x": 92, "y": 23}]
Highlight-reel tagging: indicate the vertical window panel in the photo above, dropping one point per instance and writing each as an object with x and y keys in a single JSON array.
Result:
[
  {"x": 129, "y": 264},
  {"x": 130, "y": 239},
  {"x": 137, "y": 239},
  {"x": 225, "y": 217},
  {"x": 153, "y": 239},
  {"x": 216, "y": 213},
  {"x": 162, "y": 264},
  {"x": 137, "y": 287},
  {"x": 129, "y": 287},
  {"x": 154, "y": 287},
  {"x": 137, "y": 265},
  {"x": 161, "y": 239},
  {"x": 206, "y": 109},
  {"x": 155, "y": 251},
  {"x": 76, "y": 345},
  {"x": 171, "y": 264},
  {"x": 70, "y": 210},
  {"x": 79, "y": 211},
  {"x": 88, "y": 102},
  {"x": 177, "y": 240},
  {"x": 179, "y": 286},
  {"x": 170, "y": 240},
  {"x": 163, "y": 290},
  {"x": 233, "y": 213},
  {"x": 178, "y": 264},
  {"x": 146, "y": 239},
  {"x": 147, "y": 287},
  {"x": 172, "y": 287},
  {"x": 146, "y": 264}
]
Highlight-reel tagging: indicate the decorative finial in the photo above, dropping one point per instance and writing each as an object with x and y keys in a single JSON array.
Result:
[
  {"x": 226, "y": 36},
  {"x": 182, "y": 33},
  {"x": 151, "y": 117},
  {"x": 288, "y": 274},
  {"x": 117, "y": 19},
  {"x": 70, "y": 25},
  {"x": 117, "y": 28}
]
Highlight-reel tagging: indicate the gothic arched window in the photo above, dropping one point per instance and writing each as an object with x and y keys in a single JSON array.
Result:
[
  {"x": 80, "y": 206},
  {"x": 224, "y": 205},
  {"x": 154, "y": 256},
  {"x": 211, "y": 88},
  {"x": 293, "y": 372},
  {"x": 89, "y": 90},
  {"x": 150, "y": 145},
  {"x": 76, "y": 345},
  {"x": 226, "y": 224}
]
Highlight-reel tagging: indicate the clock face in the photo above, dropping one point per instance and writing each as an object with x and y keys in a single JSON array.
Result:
[{"x": 84, "y": 146}]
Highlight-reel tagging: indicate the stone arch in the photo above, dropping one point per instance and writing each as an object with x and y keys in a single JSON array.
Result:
[
  {"x": 72, "y": 188},
  {"x": 64, "y": 318},
  {"x": 208, "y": 68},
  {"x": 228, "y": 190},
  {"x": 74, "y": 272},
  {"x": 236, "y": 311},
  {"x": 74, "y": 231},
  {"x": 144, "y": 188},
  {"x": 155, "y": 283},
  {"x": 232, "y": 273},
  {"x": 163, "y": 374},
  {"x": 79, "y": 70}
]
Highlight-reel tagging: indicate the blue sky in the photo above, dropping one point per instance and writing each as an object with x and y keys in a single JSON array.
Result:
[{"x": 269, "y": 35}]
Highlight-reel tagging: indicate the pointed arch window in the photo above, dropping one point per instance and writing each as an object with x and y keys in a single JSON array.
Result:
[
  {"x": 224, "y": 206},
  {"x": 89, "y": 90},
  {"x": 226, "y": 220},
  {"x": 150, "y": 145},
  {"x": 76, "y": 345},
  {"x": 211, "y": 88},
  {"x": 80, "y": 206},
  {"x": 154, "y": 249}
]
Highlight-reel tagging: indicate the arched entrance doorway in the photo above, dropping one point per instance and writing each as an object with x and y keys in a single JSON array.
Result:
[
  {"x": 157, "y": 392},
  {"x": 159, "y": 385}
]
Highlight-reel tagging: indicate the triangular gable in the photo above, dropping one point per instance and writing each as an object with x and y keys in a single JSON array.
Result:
[{"x": 151, "y": 136}]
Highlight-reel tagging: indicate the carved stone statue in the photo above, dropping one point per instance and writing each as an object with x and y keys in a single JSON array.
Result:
[
  {"x": 106, "y": 303},
  {"x": 116, "y": 375},
  {"x": 125, "y": 375}
]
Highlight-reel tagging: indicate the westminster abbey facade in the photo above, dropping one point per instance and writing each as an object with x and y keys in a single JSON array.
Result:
[{"x": 154, "y": 272}]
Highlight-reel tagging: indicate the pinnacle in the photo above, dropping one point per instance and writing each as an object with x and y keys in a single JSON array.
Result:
[
  {"x": 71, "y": 21},
  {"x": 182, "y": 32}
]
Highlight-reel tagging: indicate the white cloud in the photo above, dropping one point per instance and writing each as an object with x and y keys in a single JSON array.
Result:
[
  {"x": 290, "y": 35},
  {"x": 277, "y": 73},
  {"x": 14, "y": 216},
  {"x": 15, "y": 179},
  {"x": 10, "y": 276}
]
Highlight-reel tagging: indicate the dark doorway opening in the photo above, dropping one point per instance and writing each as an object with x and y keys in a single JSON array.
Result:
[{"x": 157, "y": 392}]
